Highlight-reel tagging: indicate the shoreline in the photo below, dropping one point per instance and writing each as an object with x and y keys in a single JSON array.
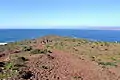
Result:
[{"x": 3, "y": 43}]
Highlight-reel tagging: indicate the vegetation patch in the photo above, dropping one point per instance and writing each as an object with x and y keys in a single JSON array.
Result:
[
  {"x": 45, "y": 67},
  {"x": 40, "y": 51},
  {"x": 25, "y": 74},
  {"x": 22, "y": 59},
  {"x": 2, "y": 64},
  {"x": 11, "y": 68},
  {"x": 107, "y": 63},
  {"x": 2, "y": 48},
  {"x": 104, "y": 53},
  {"x": 27, "y": 48},
  {"x": 8, "y": 70},
  {"x": 78, "y": 77}
]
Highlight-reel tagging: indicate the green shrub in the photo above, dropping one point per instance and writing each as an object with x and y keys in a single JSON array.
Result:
[
  {"x": 39, "y": 51},
  {"x": 107, "y": 63},
  {"x": 2, "y": 64},
  {"x": 27, "y": 48},
  {"x": 8, "y": 70},
  {"x": 20, "y": 62},
  {"x": 44, "y": 67},
  {"x": 106, "y": 43},
  {"x": 93, "y": 58},
  {"x": 9, "y": 65},
  {"x": 26, "y": 75},
  {"x": 2, "y": 48},
  {"x": 12, "y": 67},
  {"x": 78, "y": 77},
  {"x": 113, "y": 58},
  {"x": 22, "y": 59}
]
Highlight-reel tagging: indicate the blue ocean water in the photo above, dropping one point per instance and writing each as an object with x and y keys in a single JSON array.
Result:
[{"x": 10, "y": 35}]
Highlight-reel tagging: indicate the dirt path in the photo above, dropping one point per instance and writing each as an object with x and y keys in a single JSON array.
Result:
[{"x": 65, "y": 66}]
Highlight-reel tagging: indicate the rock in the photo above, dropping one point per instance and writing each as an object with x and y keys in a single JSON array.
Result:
[
  {"x": 16, "y": 51},
  {"x": 26, "y": 74},
  {"x": 2, "y": 55},
  {"x": 2, "y": 64},
  {"x": 50, "y": 57}
]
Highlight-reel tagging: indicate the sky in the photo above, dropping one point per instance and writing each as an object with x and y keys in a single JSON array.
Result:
[{"x": 59, "y": 13}]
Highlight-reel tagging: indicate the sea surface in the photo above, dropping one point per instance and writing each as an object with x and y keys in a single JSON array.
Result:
[{"x": 11, "y": 35}]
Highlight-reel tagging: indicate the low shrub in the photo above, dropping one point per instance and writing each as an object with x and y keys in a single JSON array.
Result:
[
  {"x": 20, "y": 62},
  {"x": 9, "y": 65},
  {"x": 107, "y": 63},
  {"x": 78, "y": 77},
  {"x": 11, "y": 68},
  {"x": 49, "y": 51},
  {"x": 39, "y": 51},
  {"x": 22, "y": 59},
  {"x": 93, "y": 58},
  {"x": 26, "y": 74},
  {"x": 2, "y": 64},
  {"x": 16, "y": 63},
  {"x": 44, "y": 67},
  {"x": 27, "y": 48}
]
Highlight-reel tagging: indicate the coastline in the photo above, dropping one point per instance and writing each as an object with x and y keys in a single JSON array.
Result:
[{"x": 3, "y": 43}]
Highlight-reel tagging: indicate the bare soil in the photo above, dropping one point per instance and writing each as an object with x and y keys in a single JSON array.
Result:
[
  {"x": 65, "y": 66},
  {"x": 67, "y": 62}
]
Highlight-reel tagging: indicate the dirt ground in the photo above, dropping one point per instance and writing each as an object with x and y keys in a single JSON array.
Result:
[
  {"x": 64, "y": 66},
  {"x": 68, "y": 64}
]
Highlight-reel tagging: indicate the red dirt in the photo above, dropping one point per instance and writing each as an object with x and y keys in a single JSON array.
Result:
[
  {"x": 61, "y": 65},
  {"x": 65, "y": 66}
]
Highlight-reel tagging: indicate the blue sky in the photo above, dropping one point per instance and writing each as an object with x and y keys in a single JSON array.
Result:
[{"x": 59, "y": 13}]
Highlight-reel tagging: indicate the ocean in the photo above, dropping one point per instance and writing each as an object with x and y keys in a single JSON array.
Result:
[{"x": 11, "y": 35}]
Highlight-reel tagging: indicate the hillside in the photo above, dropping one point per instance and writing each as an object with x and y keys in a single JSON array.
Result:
[{"x": 59, "y": 58}]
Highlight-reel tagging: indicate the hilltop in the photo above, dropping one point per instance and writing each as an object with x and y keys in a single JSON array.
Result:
[{"x": 59, "y": 58}]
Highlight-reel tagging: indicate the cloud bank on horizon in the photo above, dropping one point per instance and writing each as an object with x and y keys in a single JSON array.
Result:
[{"x": 59, "y": 13}]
